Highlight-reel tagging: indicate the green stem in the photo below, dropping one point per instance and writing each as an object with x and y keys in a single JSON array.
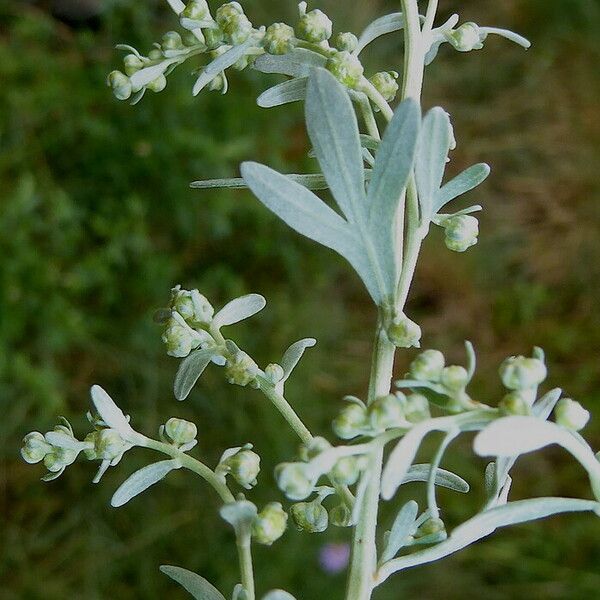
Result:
[
  {"x": 244, "y": 548},
  {"x": 369, "y": 117},
  {"x": 435, "y": 463}
]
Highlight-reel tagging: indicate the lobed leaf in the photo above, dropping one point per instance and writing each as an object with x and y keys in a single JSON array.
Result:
[
  {"x": 196, "y": 585},
  {"x": 190, "y": 370},
  {"x": 239, "y": 309},
  {"x": 141, "y": 480}
]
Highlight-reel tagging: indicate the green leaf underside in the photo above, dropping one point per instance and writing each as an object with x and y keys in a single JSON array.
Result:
[
  {"x": 190, "y": 370},
  {"x": 443, "y": 478},
  {"x": 293, "y": 90},
  {"x": 297, "y": 63},
  {"x": 239, "y": 309},
  {"x": 196, "y": 585},
  {"x": 141, "y": 480},
  {"x": 461, "y": 184}
]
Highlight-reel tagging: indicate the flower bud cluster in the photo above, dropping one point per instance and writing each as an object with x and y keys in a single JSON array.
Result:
[
  {"x": 386, "y": 84},
  {"x": 241, "y": 370},
  {"x": 465, "y": 38},
  {"x": 521, "y": 373}
]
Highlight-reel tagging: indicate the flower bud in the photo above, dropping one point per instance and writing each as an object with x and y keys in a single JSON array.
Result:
[
  {"x": 228, "y": 12},
  {"x": 244, "y": 466},
  {"x": 234, "y": 23},
  {"x": 350, "y": 422},
  {"x": 427, "y": 366},
  {"x": 294, "y": 480},
  {"x": 345, "y": 41},
  {"x": 279, "y": 38},
  {"x": 461, "y": 232},
  {"x": 155, "y": 54},
  {"x": 274, "y": 373},
  {"x": 346, "y": 68},
  {"x": 385, "y": 83},
  {"x": 385, "y": 412},
  {"x": 521, "y": 373},
  {"x": 218, "y": 83},
  {"x": 454, "y": 378},
  {"x": 346, "y": 470},
  {"x": 35, "y": 447},
  {"x": 270, "y": 524},
  {"x": 240, "y": 369},
  {"x": 213, "y": 37},
  {"x": 431, "y": 527},
  {"x": 340, "y": 516},
  {"x": 179, "y": 340},
  {"x": 59, "y": 458},
  {"x": 132, "y": 64},
  {"x": 157, "y": 85},
  {"x": 466, "y": 38},
  {"x": 171, "y": 41},
  {"x": 404, "y": 333},
  {"x": 120, "y": 84},
  {"x": 180, "y": 431},
  {"x": 315, "y": 26},
  {"x": 108, "y": 444},
  {"x": 316, "y": 446},
  {"x": 416, "y": 408},
  {"x": 515, "y": 403},
  {"x": 310, "y": 516},
  {"x": 197, "y": 10},
  {"x": 195, "y": 308},
  {"x": 571, "y": 414}
]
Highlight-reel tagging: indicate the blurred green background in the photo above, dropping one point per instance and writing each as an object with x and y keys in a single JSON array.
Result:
[{"x": 97, "y": 223}]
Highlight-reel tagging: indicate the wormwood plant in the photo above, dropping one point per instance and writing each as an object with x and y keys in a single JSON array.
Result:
[{"x": 389, "y": 192}]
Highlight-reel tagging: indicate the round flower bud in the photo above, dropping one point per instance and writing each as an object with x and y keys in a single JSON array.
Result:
[
  {"x": 155, "y": 54},
  {"x": 228, "y": 12},
  {"x": 197, "y": 10},
  {"x": 213, "y": 37},
  {"x": 274, "y": 373},
  {"x": 454, "y": 378},
  {"x": 346, "y": 68},
  {"x": 521, "y": 373},
  {"x": 120, "y": 84},
  {"x": 244, "y": 466},
  {"x": 340, "y": 516},
  {"x": 416, "y": 408},
  {"x": 35, "y": 447},
  {"x": 270, "y": 524},
  {"x": 427, "y": 366},
  {"x": 346, "y": 471},
  {"x": 180, "y": 431},
  {"x": 59, "y": 458},
  {"x": 385, "y": 83},
  {"x": 461, "y": 232},
  {"x": 195, "y": 308},
  {"x": 350, "y": 422},
  {"x": 571, "y": 414},
  {"x": 385, "y": 412},
  {"x": 404, "y": 333},
  {"x": 240, "y": 369},
  {"x": 132, "y": 64},
  {"x": 515, "y": 403},
  {"x": 108, "y": 444},
  {"x": 466, "y": 38},
  {"x": 294, "y": 480},
  {"x": 157, "y": 85},
  {"x": 310, "y": 516},
  {"x": 345, "y": 41},
  {"x": 171, "y": 41},
  {"x": 179, "y": 340},
  {"x": 316, "y": 446},
  {"x": 431, "y": 527},
  {"x": 279, "y": 38},
  {"x": 218, "y": 83},
  {"x": 315, "y": 26},
  {"x": 234, "y": 23}
]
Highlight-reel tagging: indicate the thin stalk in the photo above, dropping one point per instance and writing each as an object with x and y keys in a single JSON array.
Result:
[
  {"x": 437, "y": 459},
  {"x": 369, "y": 117},
  {"x": 244, "y": 548},
  {"x": 430, "y": 16}
]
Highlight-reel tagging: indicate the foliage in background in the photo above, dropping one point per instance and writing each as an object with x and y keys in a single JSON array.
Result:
[{"x": 87, "y": 247}]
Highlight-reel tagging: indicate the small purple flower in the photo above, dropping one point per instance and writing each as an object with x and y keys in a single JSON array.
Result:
[{"x": 334, "y": 558}]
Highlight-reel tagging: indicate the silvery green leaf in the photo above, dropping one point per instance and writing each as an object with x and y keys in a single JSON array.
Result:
[
  {"x": 239, "y": 593},
  {"x": 146, "y": 75},
  {"x": 177, "y": 6},
  {"x": 312, "y": 181},
  {"x": 192, "y": 24},
  {"x": 110, "y": 413},
  {"x": 239, "y": 309},
  {"x": 434, "y": 49},
  {"x": 240, "y": 515},
  {"x": 297, "y": 63},
  {"x": 401, "y": 531},
  {"x": 278, "y": 595},
  {"x": 443, "y": 478},
  {"x": 292, "y": 90},
  {"x": 379, "y": 27},
  {"x": 333, "y": 131},
  {"x": 63, "y": 440},
  {"x": 461, "y": 184},
  {"x": 218, "y": 65},
  {"x": 130, "y": 49},
  {"x": 197, "y": 586},
  {"x": 135, "y": 98},
  {"x": 369, "y": 142},
  {"x": 293, "y": 355},
  {"x": 190, "y": 370},
  {"x": 432, "y": 152},
  {"x": 432, "y": 538},
  {"x": 141, "y": 480},
  {"x": 509, "y": 35},
  {"x": 545, "y": 405}
]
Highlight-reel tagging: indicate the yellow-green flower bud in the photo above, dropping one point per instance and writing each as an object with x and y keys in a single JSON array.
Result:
[
  {"x": 35, "y": 448},
  {"x": 157, "y": 85},
  {"x": 228, "y": 12},
  {"x": 120, "y": 84},
  {"x": 244, "y": 466},
  {"x": 234, "y": 23},
  {"x": 346, "y": 68},
  {"x": 197, "y": 10},
  {"x": 521, "y": 373},
  {"x": 571, "y": 414},
  {"x": 385, "y": 83},
  {"x": 59, "y": 458},
  {"x": 279, "y": 38},
  {"x": 454, "y": 378},
  {"x": 294, "y": 480},
  {"x": 416, "y": 408},
  {"x": 274, "y": 373},
  {"x": 404, "y": 333},
  {"x": 155, "y": 54},
  {"x": 213, "y": 37},
  {"x": 350, "y": 422},
  {"x": 218, "y": 84},
  {"x": 270, "y": 524},
  {"x": 340, "y": 516},
  {"x": 431, "y": 527},
  {"x": 195, "y": 308},
  {"x": 315, "y": 26},
  {"x": 171, "y": 41},
  {"x": 240, "y": 369},
  {"x": 179, "y": 340},
  {"x": 180, "y": 431},
  {"x": 427, "y": 366},
  {"x": 346, "y": 470},
  {"x": 345, "y": 41},
  {"x": 310, "y": 516},
  {"x": 515, "y": 403},
  {"x": 132, "y": 64},
  {"x": 385, "y": 412},
  {"x": 466, "y": 38},
  {"x": 461, "y": 232},
  {"x": 108, "y": 444}
]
